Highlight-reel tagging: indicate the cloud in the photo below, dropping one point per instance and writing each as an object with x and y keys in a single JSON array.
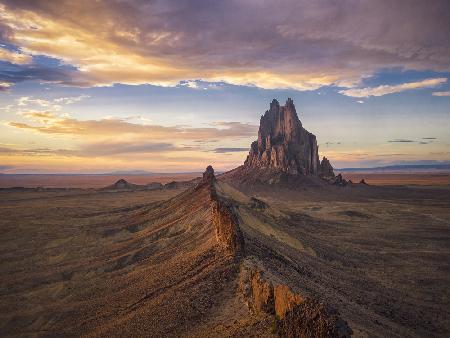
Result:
[
  {"x": 113, "y": 128},
  {"x": 14, "y": 57},
  {"x": 70, "y": 100},
  {"x": 118, "y": 148},
  {"x": 12, "y": 74},
  {"x": 390, "y": 89},
  {"x": 401, "y": 141},
  {"x": 230, "y": 150},
  {"x": 429, "y": 138},
  {"x": 296, "y": 44},
  {"x": 441, "y": 93},
  {"x": 36, "y": 152},
  {"x": 6, "y": 167},
  {"x": 98, "y": 149},
  {"x": 4, "y": 86}
]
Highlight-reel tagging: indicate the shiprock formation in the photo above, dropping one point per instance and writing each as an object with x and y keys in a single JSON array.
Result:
[
  {"x": 283, "y": 144},
  {"x": 285, "y": 152}
]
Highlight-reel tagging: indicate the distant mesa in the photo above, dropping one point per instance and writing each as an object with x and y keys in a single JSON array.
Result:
[{"x": 123, "y": 184}]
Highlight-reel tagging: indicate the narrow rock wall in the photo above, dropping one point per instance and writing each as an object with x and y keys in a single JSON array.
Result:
[{"x": 226, "y": 225}]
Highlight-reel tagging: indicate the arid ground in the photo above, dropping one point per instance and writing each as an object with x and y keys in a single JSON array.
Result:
[
  {"x": 147, "y": 263},
  {"x": 84, "y": 181}
]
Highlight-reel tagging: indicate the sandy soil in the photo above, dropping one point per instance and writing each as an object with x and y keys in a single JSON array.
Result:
[
  {"x": 380, "y": 255},
  {"x": 115, "y": 264},
  {"x": 146, "y": 263}
]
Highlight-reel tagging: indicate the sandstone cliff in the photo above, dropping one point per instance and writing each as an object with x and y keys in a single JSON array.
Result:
[
  {"x": 283, "y": 144},
  {"x": 295, "y": 314}
]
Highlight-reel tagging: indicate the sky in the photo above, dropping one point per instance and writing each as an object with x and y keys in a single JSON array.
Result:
[{"x": 173, "y": 86}]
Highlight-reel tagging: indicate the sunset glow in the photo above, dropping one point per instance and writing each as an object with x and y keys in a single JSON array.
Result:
[{"x": 171, "y": 86}]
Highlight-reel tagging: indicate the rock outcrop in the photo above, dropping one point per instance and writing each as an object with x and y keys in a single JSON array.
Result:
[
  {"x": 326, "y": 170},
  {"x": 224, "y": 218},
  {"x": 295, "y": 315},
  {"x": 226, "y": 226},
  {"x": 283, "y": 144},
  {"x": 208, "y": 175},
  {"x": 122, "y": 185}
]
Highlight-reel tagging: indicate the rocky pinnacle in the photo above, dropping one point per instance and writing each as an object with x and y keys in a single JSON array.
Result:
[{"x": 283, "y": 144}]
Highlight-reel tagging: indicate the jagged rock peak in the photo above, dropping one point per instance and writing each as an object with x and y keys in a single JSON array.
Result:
[
  {"x": 283, "y": 143},
  {"x": 208, "y": 175},
  {"x": 326, "y": 170},
  {"x": 121, "y": 183}
]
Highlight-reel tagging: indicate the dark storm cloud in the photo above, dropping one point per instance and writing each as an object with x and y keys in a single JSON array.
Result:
[{"x": 296, "y": 43}]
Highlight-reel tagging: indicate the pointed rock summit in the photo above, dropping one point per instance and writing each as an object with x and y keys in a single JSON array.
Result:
[
  {"x": 208, "y": 175},
  {"x": 284, "y": 145}
]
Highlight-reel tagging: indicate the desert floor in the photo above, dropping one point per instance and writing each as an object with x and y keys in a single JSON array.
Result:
[{"x": 87, "y": 262}]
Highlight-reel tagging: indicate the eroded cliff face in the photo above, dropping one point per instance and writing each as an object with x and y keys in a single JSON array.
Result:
[
  {"x": 283, "y": 143},
  {"x": 226, "y": 226},
  {"x": 224, "y": 219},
  {"x": 295, "y": 314}
]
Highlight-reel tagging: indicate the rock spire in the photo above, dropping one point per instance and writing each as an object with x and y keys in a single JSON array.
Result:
[{"x": 283, "y": 144}]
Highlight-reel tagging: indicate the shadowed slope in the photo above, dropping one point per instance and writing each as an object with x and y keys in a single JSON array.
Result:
[{"x": 146, "y": 270}]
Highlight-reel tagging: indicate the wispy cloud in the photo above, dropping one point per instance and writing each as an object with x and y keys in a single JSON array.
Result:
[
  {"x": 113, "y": 127},
  {"x": 390, "y": 89},
  {"x": 230, "y": 150},
  {"x": 117, "y": 148},
  {"x": 441, "y": 93},
  {"x": 98, "y": 149},
  {"x": 6, "y": 167},
  {"x": 14, "y": 57},
  {"x": 400, "y": 141}
]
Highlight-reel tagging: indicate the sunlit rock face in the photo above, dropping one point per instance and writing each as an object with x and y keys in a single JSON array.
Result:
[{"x": 284, "y": 144}]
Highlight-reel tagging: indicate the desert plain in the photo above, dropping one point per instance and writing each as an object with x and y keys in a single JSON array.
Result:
[{"x": 126, "y": 262}]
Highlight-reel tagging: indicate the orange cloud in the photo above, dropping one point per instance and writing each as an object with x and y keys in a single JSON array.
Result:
[
  {"x": 107, "y": 128},
  {"x": 305, "y": 46}
]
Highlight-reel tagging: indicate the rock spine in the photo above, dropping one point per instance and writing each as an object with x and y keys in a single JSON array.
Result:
[{"x": 225, "y": 221}]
